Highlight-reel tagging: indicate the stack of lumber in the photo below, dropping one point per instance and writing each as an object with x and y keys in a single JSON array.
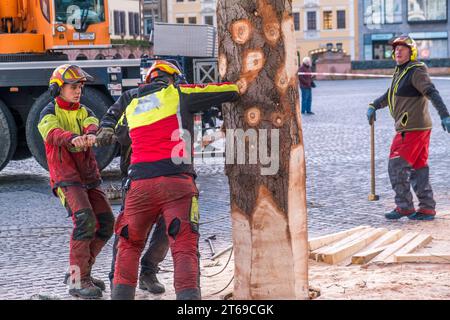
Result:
[{"x": 365, "y": 244}]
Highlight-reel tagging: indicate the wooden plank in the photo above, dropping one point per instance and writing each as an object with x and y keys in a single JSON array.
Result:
[
  {"x": 387, "y": 238},
  {"x": 314, "y": 254},
  {"x": 318, "y": 242},
  {"x": 418, "y": 242},
  {"x": 387, "y": 255},
  {"x": 439, "y": 257},
  {"x": 376, "y": 247},
  {"x": 340, "y": 253},
  {"x": 365, "y": 256}
]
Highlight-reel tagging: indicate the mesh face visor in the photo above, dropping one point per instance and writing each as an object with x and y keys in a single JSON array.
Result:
[{"x": 75, "y": 74}]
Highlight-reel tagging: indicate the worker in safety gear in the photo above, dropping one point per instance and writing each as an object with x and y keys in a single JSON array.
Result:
[
  {"x": 159, "y": 243},
  {"x": 160, "y": 118},
  {"x": 407, "y": 98},
  {"x": 69, "y": 132}
]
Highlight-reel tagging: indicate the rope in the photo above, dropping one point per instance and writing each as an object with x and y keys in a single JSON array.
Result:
[
  {"x": 223, "y": 269},
  {"x": 232, "y": 278},
  {"x": 214, "y": 220}
]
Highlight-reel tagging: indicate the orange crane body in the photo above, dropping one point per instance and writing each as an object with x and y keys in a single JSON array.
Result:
[{"x": 39, "y": 26}]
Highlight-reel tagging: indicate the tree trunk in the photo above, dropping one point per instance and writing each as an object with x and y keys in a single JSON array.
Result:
[{"x": 268, "y": 197}]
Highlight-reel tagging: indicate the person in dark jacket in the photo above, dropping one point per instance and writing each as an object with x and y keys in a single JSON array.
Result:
[
  {"x": 407, "y": 99},
  {"x": 160, "y": 119},
  {"x": 306, "y": 85},
  {"x": 69, "y": 132}
]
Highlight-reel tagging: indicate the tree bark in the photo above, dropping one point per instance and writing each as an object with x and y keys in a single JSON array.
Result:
[{"x": 257, "y": 49}]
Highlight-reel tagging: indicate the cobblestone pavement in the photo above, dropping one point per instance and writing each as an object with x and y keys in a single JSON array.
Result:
[{"x": 34, "y": 229}]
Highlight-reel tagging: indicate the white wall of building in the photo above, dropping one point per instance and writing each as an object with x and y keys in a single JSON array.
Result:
[{"x": 120, "y": 18}]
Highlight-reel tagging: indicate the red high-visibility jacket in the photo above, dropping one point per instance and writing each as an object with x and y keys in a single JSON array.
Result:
[{"x": 59, "y": 123}]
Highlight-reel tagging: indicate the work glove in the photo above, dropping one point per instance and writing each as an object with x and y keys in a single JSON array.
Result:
[
  {"x": 446, "y": 124},
  {"x": 371, "y": 114},
  {"x": 105, "y": 137}
]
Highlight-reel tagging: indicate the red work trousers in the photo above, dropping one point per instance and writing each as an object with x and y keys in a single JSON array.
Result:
[
  {"x": 93, "y": 226},
  {"x": 175, "y": 197},
  {"x": 413, "y": 147}
]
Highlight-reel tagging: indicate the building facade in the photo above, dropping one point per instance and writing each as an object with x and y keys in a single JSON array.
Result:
[
  {"x": 319, "y": 24},
  {"x": 153, "y": 11},
  {"x": 324, "y": 24},
  {"x": 125, "y": 19},
  {"x": 191, "y": 11},
  {"x": 424, "y": 20}
]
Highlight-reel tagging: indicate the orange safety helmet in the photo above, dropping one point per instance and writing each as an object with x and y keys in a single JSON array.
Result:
[
  {"x": 67, "y": 74},
  {"x": 160, "y": 66},
  {"x": 407, "y": 41}
]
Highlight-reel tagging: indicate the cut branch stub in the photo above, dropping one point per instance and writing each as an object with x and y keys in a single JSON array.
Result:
[
  {"x": 241, "y": 31},
  {"x": 271, "y": 25},
  {"x": 223, "y": 65},
  {"x": 278, "y": 119},
  {"x": 253, "y": 116},
  {"x": 282, "y": 80},
  {"x": 253, "y": 62}
]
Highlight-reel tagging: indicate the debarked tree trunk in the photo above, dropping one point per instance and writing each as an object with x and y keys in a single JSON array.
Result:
[{"x": 265, "y": 160}]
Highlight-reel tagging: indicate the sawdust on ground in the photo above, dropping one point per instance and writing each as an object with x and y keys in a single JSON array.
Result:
[{"x": 417, "y": 281}]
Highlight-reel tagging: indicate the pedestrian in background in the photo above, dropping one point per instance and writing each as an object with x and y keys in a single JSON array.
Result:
[
  {"x": 407, "y": 99},
  {"x": 306, "y": 85}
]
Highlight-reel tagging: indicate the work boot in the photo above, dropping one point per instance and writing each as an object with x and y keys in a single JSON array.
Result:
[
  {"x": 123, "y": 292},
  {"x": 97, "y": 282},
  {"x": 87, "y": 291},
  {"x": 189, "y": 294},
  {"x": 394, "y": 215},
  {"x": 148, "y": 281},
  {"x": 421, "y": 216}
]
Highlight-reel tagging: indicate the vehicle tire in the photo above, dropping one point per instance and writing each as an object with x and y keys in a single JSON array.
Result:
[
  {"x": 8, "y": 135},
  {"x": 94, "y": 100}
]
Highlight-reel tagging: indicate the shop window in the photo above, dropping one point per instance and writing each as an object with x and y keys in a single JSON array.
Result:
[{"x": 432, "y": 48}]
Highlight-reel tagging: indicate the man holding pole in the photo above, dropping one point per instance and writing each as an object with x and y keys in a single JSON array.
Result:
[{"x": 407, "y": 100}]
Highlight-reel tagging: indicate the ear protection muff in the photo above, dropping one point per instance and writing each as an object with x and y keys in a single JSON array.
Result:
[{"x": 54, "y": 90}]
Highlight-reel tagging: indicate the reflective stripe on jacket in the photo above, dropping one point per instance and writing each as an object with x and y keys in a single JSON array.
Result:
[{"x": 408, "y": 96}]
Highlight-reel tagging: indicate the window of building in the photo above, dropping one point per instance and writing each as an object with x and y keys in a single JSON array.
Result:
[
  {"x": 296, "y": 20},
  {"x": 134, "y": 23},
  {"x": 382, "y": 50},
  {"x": 427, "y": 10},
  {"x": 382, "y": 11},
  {"x": 327, "y": 20},
  {"x": 137, "y": 24},
  {"x": 209, "y": 20},
  {"x": 180, "y": 0},
  {"x": 192, "y": 20},
  {"x": 341, "y": 19},
  {"x": 119, "y": 23},
  {"x": 311, "y": 20},
  {"x": 148, "y": 25},
  {"x": 432, "y": 48},
  {"x": 180, "y": 20}
]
